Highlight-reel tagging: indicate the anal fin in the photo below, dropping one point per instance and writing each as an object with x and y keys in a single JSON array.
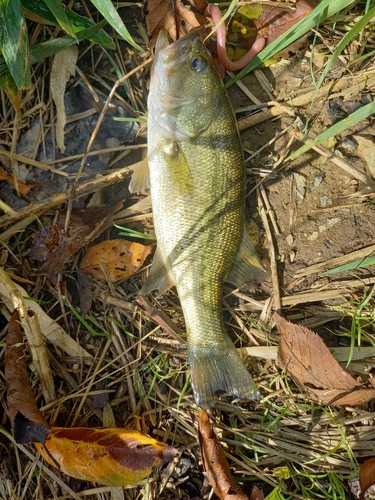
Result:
[
  {"x": 159, "y": 278},
  {"x": 247, "y": 266}
]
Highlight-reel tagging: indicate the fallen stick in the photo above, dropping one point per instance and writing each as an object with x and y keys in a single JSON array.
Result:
[{"x": 83, "y": 189}]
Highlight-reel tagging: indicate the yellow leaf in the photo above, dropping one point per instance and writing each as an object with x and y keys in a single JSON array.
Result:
[{"x": 110, "y": 456}]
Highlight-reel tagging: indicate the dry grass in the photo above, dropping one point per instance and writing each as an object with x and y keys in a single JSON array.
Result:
[{"x": 137, "y": 371}]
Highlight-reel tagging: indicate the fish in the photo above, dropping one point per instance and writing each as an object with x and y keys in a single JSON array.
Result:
[{"x": 197, "y": 181}]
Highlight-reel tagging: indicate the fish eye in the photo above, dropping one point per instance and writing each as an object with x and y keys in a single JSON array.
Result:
[{"x": 198, "y": 64}]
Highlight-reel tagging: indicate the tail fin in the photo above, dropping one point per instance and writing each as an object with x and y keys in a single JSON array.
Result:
[{"x": 219, "y": 370}]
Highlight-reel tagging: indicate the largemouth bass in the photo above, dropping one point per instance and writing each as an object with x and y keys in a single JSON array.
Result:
[{"x": 197, "y": 190}]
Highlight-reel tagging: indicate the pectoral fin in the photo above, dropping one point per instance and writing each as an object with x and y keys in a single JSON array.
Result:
[
  {"x": 247, "y": 265},
  {"x": 141, "y": 177},
  {"x": 159, "y": 278},
  {"x": 179, "y": 169}
]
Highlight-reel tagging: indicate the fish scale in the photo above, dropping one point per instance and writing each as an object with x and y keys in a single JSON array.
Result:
[{"x": 197, "y": 189}]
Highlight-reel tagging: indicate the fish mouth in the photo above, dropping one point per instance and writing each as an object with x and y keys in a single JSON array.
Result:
[{"x": 169, "y": 52}]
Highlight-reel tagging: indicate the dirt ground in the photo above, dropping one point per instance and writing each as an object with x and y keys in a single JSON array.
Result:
[{"x": 327, "y": 220}]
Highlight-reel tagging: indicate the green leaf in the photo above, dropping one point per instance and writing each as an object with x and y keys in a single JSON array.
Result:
[
  {"x": 56, "y": 7},
  {"x": 326, "y": 9},
  {"x": 370, "y": 261},
  {"x": 79, "y": 23},
  {"x": 41, "y": 51},
  {"x": 108, "y": 11},
  {"x": 14, "y": 42},
  {"x": 337, "y": 128}
]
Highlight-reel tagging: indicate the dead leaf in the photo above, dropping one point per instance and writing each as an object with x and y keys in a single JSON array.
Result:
[
  {"x": 255, "y": 20},
  {"x": 199, "y": 5},
  {"x": 216, "y": 465},
  {"x": 367, "y": 475},
  {"x": 121, "y": 258},
  {"x": 173, "y": 16},
  {"x": 305, "y": 357},
  {"x": 85, "y": 294},
  {"x": 23, "y": 188},
  {"x": 28, "y": 423},
  {"x": 366, "y": 150},
  {"x": 110, "y": 456},
  {"x": 64, "y": 65},
  {"x": 338, "y": 397},
  {"x": 54, "y": 247},
  {"x": 13, "y": 93}
]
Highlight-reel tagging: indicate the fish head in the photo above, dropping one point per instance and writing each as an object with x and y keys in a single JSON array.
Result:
[{"x": 185, "y": 88}]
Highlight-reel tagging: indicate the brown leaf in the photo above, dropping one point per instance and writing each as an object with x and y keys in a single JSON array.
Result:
[
  {"x": 85, "y": 294},
  {"x": 367, "y": 475},
  {"x": 199, "y": 5},
  {"x": 216, "y": 465},
  {"x": 305, "y": 357},
  {"x": 28, "y": 423},
  {"x": 23, "y": 188},
  {"x": 338, "y": 397},
  {"x": 255, "y": 20},
  {"x": 110, "y": 456},
  {"x": 308, "y": 359},
  {"x": 54, "y": 247},
  {"x": 173, "y": 16},
  {"x": 121, "y": 258}
]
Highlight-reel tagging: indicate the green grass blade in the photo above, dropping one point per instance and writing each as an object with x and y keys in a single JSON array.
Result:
[
  {"x": 14, "y": 42},
  {"x": 41, "y": 51},
  {"x": 84, "y": 322},
  {"x": 341, "y": 126},
  {"x": 79, "y": 23},
  {"x": 56, "y": 7},
  {"x": 127, "y": 232},
  {"x": 326, "y": 9},
  {"x": 357, "y": 28},
  {"x": 108, "y": 11},
  {"x": 370, "y": 261}
]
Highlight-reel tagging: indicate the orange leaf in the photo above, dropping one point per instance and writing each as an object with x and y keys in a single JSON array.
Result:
[
  {"x": 110, "y": 456},
  {"x": 216, "y": 465},
  {"x": 305, "y": 357},
  {"x": 121, "y": 258},
  {"x": 22, "y": 187}
]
